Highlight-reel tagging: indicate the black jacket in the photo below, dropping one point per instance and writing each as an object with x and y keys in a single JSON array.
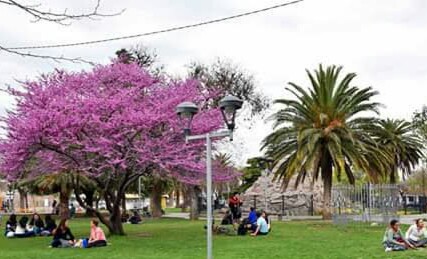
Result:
[{"x": 61, "y": 234}]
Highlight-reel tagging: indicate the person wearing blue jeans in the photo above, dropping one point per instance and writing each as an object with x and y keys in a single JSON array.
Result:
[{"x": 394, "y": 240}]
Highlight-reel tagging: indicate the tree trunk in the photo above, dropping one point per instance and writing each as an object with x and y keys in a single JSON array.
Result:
[
  {"x": 89, "y": 201},
  {"x": 187, "y": 200},
  {"x": 156, "y": 199},
  {"x": 177, "y": 198},
  {"x": 115, "y": 225},
  {"x": 170, "y": 201},
  {"x": 393, "y": 175},
  {"x": 64, "y": 211},
  {"x": 194, "y": 208},
  {"x": 124, "y": 203},
  {"x": 327, "y": 187},
  {"x": 22, "y": 197}
]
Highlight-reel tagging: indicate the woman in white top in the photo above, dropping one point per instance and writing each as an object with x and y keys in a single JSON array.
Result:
[{"x": 416, "y": 234}]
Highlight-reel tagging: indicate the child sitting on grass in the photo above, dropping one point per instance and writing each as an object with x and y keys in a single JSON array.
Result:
[{"x": 394, "y": 239}]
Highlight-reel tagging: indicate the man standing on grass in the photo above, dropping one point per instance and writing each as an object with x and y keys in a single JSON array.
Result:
[
  {"x": 262, "y": 226},
  {"x": 234, "y": 204}
]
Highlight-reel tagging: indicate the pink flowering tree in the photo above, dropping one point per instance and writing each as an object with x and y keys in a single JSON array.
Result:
[{"x": 112, "y": 124}]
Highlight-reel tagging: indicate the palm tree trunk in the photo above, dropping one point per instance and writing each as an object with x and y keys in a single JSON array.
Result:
[
  {"x": 393, "y": 175},
  {"x": 327, "y": 188},
  {"x": 187, "y": 199}
]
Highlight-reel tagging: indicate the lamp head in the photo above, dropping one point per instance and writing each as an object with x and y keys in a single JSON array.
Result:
[
  {"x": 229, "y": 106},
  {"x": 186, "y": 112}
]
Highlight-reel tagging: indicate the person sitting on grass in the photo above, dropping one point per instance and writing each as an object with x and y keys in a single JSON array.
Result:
[
  {"x": 136, "y": 218},
  {"x": 62, "y": 236},
  {"x": 393, "y": 238},
  {"x": 248, "y": 223},
  {"x": 227, "y": 219},
  {"x": 37, "y": 224},
  {"x": 97, "y": 236},
  {"x": 268, "y": 221},
  {"x": 262, "y": 226},
  {"x": 50, "y": 226},
  {"x": 22, "y": 228},
  {"x": 416, "y": 234},
  {"x": 252, "y": 216},
  {"x": 11, "y": 225}
]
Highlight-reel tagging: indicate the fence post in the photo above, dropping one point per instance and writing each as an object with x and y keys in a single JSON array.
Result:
[
  {"x": 255, "y": 202},
  {"x": 283, "y": 204},
  {"x": 312, "y": 205}
]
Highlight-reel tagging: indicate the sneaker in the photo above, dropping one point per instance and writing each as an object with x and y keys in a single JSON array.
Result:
[{"x": 388, "y": 249}]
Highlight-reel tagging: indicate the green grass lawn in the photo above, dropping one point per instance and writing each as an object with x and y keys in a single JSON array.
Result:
[{"x": 169, "y": 238}]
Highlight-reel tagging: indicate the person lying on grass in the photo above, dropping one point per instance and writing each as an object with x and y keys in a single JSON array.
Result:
[
  {"x": 262, "y": 226},
  {"x": 416, "y": 234},
  {"x": 393, "y": 238},
  {"x": 62, "y": 236}
]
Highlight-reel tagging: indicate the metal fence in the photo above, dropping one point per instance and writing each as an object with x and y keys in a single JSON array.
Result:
[{"x": 367, "y": 203}]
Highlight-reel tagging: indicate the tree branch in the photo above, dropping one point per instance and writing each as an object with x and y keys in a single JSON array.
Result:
[
  {"x": 62, "y": 18},
  {"x": 54, "y": 58}
]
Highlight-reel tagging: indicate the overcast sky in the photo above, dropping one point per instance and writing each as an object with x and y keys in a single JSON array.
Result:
[{"x": 383, "y": 41}]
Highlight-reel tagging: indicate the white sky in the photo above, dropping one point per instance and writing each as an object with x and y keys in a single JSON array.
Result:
[{"x": 384, "y": 41}]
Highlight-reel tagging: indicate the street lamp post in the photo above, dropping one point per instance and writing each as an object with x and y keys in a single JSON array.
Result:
[{"x": 186, "y": 111}]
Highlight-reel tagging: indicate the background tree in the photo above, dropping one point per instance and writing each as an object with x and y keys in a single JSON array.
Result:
[
  {"x": 416, "y": 183},
  {"x": 397, "y": 138},
  {"x": 61, "y": 183},
  {"x": 228, "y": 78},
  {"x": 319, "y": 132},
  {"x": 250, "y": 173},
  {"x": 143, "y": 57}
]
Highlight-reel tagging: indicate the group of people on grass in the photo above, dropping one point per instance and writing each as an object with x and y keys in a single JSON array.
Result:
[
  {"x": 257, "y": 223},
  {"x": 415, "y": 236},
  {"x": 29, "y": 228},
  {"x": 61, "y": 233}
]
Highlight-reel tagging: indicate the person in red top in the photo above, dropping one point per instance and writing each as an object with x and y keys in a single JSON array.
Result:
[
  {"x": 234, "y": 204},
  {"x": 97, "y": 236}
]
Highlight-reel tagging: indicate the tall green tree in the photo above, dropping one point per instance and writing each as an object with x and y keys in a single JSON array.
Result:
[
  {"x": 251, "y": 173},
  {"x": 320, "y": 131},
  {"x": 397, "y": 137}
]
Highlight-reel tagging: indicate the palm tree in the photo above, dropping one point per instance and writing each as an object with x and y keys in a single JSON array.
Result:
[
  {"x": 320, "y": 131},
  {"x": 62, "y": 183},
  {"x": 397, "y": 138}
]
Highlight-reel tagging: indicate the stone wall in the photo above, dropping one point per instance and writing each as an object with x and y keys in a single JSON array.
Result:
[{"x": 270, "y": 196}]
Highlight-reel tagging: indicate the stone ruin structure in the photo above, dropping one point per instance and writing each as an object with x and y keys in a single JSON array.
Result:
[{"x": 266, "y": 194}]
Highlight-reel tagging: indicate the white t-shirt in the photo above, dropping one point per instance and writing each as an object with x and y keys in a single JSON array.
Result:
[
  {"x": 263, "y": 227},
  {"x": 415, "y": 234}
]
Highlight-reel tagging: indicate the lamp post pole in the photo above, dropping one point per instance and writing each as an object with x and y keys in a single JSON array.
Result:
[
  {"x": 209, "y": 213},
  {"x": 209, "y": 243},
  {"x": 186, "y": 111}
]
